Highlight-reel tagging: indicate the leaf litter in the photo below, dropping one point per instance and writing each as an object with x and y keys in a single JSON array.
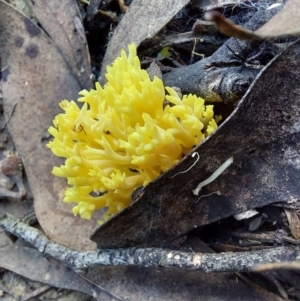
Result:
[{"x": 258, "y": 145}]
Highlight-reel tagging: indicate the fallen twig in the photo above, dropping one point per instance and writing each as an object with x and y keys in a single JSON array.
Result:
[{"x": 148, "y": 257}]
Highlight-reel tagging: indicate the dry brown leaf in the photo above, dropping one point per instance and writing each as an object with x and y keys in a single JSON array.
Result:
[
  {"x": 62, "y": 22},
  {"x": 35, "y": 78},
  {"x": 142, "y": 21}
]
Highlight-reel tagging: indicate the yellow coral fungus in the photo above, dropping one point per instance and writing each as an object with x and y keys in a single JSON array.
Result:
[{"x": 124, "y": 136}]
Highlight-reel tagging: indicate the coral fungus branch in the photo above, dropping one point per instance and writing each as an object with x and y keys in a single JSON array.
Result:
[{"x": 124, "y": 135}]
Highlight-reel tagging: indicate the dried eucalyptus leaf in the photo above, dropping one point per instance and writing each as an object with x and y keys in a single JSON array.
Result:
[
  {"x": 62, "y": 22},
  {"x": 35, "y": 78},
  {"x": 285, "y": 23}
]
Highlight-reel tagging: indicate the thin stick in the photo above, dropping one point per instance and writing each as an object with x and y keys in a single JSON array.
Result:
[{"x": 148, "y": 257}]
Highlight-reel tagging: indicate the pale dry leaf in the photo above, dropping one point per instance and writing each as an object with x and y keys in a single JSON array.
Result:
[
  {"x": 285, "y": 23},
  {"x": 62, "y": 22},
  {"x": 35, "y": 78},
  {"x": 294, "y": 222},
  {"x": 142, "y": 21},
  {"x": 215, "y": 4},
  {"x": 246, "y": 214},
  {"x": 22, "y": 6}
]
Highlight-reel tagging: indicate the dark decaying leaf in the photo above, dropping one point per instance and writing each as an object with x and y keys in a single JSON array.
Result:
[
  {"x": 92, "y": 9},
  {"x": 139, "y": 284},
  {"x": 35, "y": 78},
  {"x": 262, "y": 135}
]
